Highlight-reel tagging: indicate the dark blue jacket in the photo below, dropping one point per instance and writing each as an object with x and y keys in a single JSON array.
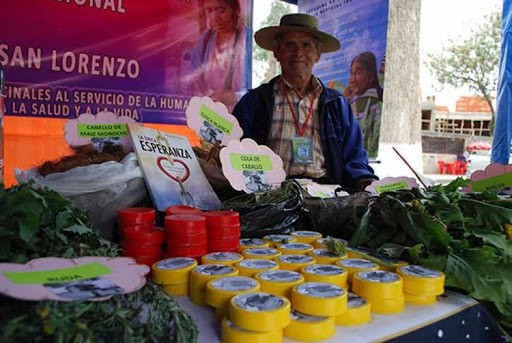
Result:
[{"x": 345, "y": 158}]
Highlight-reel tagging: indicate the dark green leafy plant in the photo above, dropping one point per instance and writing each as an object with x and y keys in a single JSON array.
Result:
[
  {"x": 461, "y": 234},
  {"x": 39, "y": 222}
]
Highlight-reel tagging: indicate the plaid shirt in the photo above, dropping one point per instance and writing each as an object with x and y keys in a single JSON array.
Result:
[{"x": 284, "y": 128}]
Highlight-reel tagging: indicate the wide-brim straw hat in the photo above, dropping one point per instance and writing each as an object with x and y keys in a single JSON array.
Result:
[{"x": 300, "y": 22}]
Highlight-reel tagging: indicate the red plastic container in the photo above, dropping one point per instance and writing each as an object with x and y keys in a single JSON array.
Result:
[
  {"x": 185, "y": 224},
  {"x": 223, "y": 232},
  {"x": 141, "y": 227},
  {"x": 186, "y": 251},
  {"x": 224, "y": 244},
  {"x": 181, "y": 209},
  {"x": 135, "y": 215},
  {"x": 221, "y": 218},
  {"x": 136, "y": 236},
  {"x": 186, "y": 239},
  {"x": 135, "y": 250}
]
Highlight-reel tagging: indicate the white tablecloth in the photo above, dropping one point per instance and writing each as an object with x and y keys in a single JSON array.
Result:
[{"x": 381, "y": 327}]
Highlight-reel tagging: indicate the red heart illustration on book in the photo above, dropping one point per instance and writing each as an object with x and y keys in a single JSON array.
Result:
[{"x": 177, "y": 171}]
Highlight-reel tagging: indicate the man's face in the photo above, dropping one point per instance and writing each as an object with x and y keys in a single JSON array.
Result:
[{"x": 297, "y": 53}]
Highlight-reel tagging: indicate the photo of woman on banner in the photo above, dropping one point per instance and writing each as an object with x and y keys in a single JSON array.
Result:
[
  {"x": 219, "y": 62},
  {"x": 364, "y": 93}
]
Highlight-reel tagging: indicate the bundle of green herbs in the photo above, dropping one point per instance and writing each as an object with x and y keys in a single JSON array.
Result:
[
  {"x": 40, "y": 222},
  {"x": 466, "y": 235}
]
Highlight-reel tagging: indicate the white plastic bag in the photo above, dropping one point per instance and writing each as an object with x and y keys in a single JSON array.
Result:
[{"x": 99, "y": 189}]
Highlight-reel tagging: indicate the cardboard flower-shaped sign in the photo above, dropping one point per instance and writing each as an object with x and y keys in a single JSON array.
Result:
[
  {"x": 251, "y": 167},
  {"x": 391, "y": 184},
  {"x": 85, "y": 278},
  {"x": 495, "y": 177},
  {"x": 98, "y": 129},
  {"x": 212, "y": 121}
]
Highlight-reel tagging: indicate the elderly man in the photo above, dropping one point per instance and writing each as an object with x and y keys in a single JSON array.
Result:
[{"x": 311, "y": 127}]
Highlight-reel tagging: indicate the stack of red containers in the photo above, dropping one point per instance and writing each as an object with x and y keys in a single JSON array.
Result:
[
  {"x": 185, "y": 235},
  {"x": 142, "y": 240},
  {"x": 223, "y": 229}
]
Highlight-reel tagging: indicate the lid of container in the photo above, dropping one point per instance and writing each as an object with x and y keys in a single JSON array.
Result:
[
  {"x": 302, "y": 317},
  {"x": 296, "y": 258},
  {"x": 258, "y": 301},
  {"x": 280, "y": 275},
  {"x": 213, "y": 269},
  {"x": 306, "y": 233},
  {"x": 321, "y": 252},
  {"x": 181, "y": 209},
  {"x": 175, "y": 263},
  {"x": 357, "y": 263},
  {"x": 253, "y": 263},
  {"x": 295, "y": 246},
  {"x": 261, "y": 251},
  {"x": 381, "y": 276},
  {"x": 324, "y": 269},
  {"x": 223, "y": 256},
  {"x": 419, "y": 271},
  {"x": 355, "y": 301},
  {"x": 235, "y": 283},
  {"x": 221, "y": 218},
  {"x": 252, "y": 241},
  {"x": 319, "y": 289},
  {"x": 279, "y": 238}
]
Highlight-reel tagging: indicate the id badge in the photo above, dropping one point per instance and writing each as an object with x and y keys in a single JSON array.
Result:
[{"x": 302, "y": 150}]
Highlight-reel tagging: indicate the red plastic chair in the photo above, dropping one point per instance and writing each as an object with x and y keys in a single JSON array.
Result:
[{"x": 442, "y": 166}]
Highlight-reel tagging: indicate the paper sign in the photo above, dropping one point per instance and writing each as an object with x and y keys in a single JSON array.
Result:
[
  {"x": 495, "y": 177},
  {"x": 212, "y": 121},
  {"x": 251, "y": 167},
  {"x": 85, "y": 271},
  {"x": 93, "y": 129},
  {"x": 102, "y": 130},
  {"x": 391, "y": 184},
  {"x": 85, "y": 278}
]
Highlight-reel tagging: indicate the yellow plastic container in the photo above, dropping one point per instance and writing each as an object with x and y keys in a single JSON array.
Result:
[
  {"x": 279, "y": 282},
  {"x": 246, "y": 243},
  {"x": 319, "y": 299},
  {"x": 173, "y": 270},
  {"x": 354, "y": 265},
  {"x": 250, "y": 267},
  {"x": 223, "y": 257},
  {"x": 305, "y": 236},
  {"x": 294, "y": 248},
  {"x": 200, "y": 275},
  {"x": 420, "y": 299},
  {"x": 387, "y": 306},
  {"x": 274, "y": 240},
  {"x": 358, "y": 311},
  {"x": 304, "y": 327},
  {"x": 177, "y": 289},
  {"x": 377, "y": 284},
  {"x": 261, "y": 253},
  {"x": 220, "y": 291},
  {"x": 294, "y": 262},
  {"x": 419, "y": 280},
  {"x": 260, "y": 311},
  {"x": 230, "y": 333},
  {"x": 325, "y": 273},
  {"x": 322, "y": 256}
]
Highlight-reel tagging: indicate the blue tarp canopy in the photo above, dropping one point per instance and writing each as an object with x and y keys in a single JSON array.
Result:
[{"x": 503, "y": 128}]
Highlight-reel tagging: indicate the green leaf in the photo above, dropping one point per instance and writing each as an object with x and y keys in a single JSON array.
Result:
[
  {"x": 498, "y": 240},
  {"x": 79, "y": 229},
  {"x": 28, "y": 226}
]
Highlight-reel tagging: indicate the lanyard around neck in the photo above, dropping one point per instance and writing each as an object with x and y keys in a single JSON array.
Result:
[{"x": 300, "y": 129}]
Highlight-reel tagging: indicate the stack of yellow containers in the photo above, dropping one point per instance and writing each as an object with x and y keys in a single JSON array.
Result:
[
  {"x": 251, "y": 267},
  {"x": 421, "y": 285},
  {"x": 358, "y": 311},
  {"x": 355, "y": 265},
  {"x": 325, "y": 273},
  {"x": 316, "y": 305},
  {"x": 173, "y": 274},
  {"x": 256, "y": 317},
  {"x": 246, "y": 243},
  {"x": 220, "y": 291},
  {"x": 383, "y": 289},
  {"x": 200, "y": 275},
  {"x": 279, "y": 282},
  {"x": 294, "y": 262}
]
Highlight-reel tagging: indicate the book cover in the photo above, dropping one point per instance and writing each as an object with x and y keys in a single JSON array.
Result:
[{"x": 171, "y": 170}]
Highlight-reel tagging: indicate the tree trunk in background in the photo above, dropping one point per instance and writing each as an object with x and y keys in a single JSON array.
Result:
[{"x": 401, "y": 113}]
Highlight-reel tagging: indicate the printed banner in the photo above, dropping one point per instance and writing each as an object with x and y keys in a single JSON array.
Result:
[
  {"x": 357, "y": 69},
  {"x": 138, "y": 58}
]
